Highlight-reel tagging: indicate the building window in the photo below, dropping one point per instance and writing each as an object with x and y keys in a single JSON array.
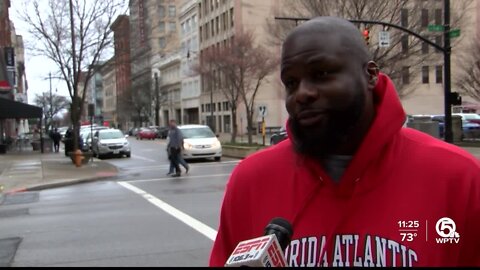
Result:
[
  {"x": 439, "y": 74},
  {"x": 405, "y": 75},
  {"x": 225, "y": 20},
  {"x": 219, "y": 106},
  {"x": 425, "y": 47},
  {"x": 404, "y": 17},
  {"x": 161, "y": 27},
  {"x": 438, "y": 41},
  {"x": 232, "y": 19},
  {"x": 405, "y": 43},
  {"x": 438, "y": 16},
  {"x": 425, "y": 74},
  {"x": 171, "y": 27},
  {"x": 424, "y": 18},
  {"x": 161, "y": 12},
  {"x": 161, "y": 42},
  {"x": 212, "y": 25},
  {"x": 171, "y": 11},
  {"x": 203, "y": 108}
]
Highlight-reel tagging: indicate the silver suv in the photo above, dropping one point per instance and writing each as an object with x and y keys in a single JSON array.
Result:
[{"x": 110, "y": 141}]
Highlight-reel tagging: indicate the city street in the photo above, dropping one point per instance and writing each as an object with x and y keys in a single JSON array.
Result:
[{"x": 140, "y": 218}]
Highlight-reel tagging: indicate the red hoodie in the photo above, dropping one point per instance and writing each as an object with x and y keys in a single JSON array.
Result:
[{"x": 406, "y": 199}]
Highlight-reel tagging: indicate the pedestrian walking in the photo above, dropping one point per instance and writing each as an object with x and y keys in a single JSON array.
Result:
[
  {"x": 56, "y": 137},
  {"x": 180, "y": 160},
  {"x": 174, "y": 147}
]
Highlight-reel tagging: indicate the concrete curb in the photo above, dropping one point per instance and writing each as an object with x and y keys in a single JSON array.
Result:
[{"x": 66, "y": 183}]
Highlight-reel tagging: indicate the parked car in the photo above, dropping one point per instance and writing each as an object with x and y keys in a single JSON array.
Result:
[
  {"x": 278, "y": 136},
  {"x": 470, "y": 117},
  {"x": 133, "y": 131},
  {"x": 86, "y": 135},
  {"x": 146, "y": 133},
  {"x": 162, "y": 132},
  {"x": 469, "y": 129},
  {"x": 199, "y": 141},
  {"x": 110, "y": 141}
]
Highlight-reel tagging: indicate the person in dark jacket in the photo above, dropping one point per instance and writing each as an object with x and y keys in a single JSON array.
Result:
[
  {"x": 56, "y": 137},
  {"x": 175, "y": 146}
]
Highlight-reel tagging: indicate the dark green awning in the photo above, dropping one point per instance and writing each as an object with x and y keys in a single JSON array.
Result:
[{"x": 11, "y": 109}]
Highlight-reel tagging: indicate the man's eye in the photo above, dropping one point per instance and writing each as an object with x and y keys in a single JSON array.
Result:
[
  {"x": 320, "y": 74},
  {"x": 290, "y": 84}
]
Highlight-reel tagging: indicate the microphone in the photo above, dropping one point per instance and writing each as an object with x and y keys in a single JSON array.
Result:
[{"x": 264, "y": 251}]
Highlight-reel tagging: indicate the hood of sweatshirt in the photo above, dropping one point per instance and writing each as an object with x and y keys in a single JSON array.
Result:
[{"x": 389, "y": 119}]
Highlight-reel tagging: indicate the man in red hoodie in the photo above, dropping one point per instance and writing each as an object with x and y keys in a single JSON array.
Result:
[{"x": 357, "y": 187}]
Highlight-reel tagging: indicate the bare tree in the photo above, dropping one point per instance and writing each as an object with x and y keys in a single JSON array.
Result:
[
  {"x": 73, "y": 34},
  {"x": 51, "y": 106},
  {"x": 217, "y": 70},
  {"x": 468, "y": 80},
  {"x": 241, "y": 68},
  {"x": 406, "y": 53}
]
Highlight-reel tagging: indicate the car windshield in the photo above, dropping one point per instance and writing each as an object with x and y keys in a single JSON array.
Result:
[
  {"x": 471, "y": 116},
  {"x": 194, "y": 133},
  {"x": 113, "y": 134}
]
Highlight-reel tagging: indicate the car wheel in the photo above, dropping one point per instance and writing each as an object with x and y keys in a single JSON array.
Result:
[
  {"x": 128, "y": 154},
  {"x": 217, "y": 158}
]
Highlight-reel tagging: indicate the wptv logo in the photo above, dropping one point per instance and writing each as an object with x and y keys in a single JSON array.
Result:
[{"x": 446, "y": 229}]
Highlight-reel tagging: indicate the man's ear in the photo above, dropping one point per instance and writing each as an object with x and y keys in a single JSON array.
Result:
[{"x": 372, "y": 72}]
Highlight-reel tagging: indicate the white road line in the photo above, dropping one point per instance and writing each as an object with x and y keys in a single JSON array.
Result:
[
  {"x": 190, "y": 221},
  {"x": 144, "y": 158},
  {"x": 172, "y": 178},
  {"x": 163, "y": 166}
]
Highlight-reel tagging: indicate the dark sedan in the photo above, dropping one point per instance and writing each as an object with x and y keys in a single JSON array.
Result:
[{"x": 278, "y": 136}]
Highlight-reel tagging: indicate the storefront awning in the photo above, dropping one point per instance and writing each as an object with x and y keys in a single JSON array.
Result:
[{"x": 11, "y": 109}]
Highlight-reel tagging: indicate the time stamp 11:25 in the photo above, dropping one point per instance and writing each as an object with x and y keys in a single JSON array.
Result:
[{"x": 408, "y": 229}]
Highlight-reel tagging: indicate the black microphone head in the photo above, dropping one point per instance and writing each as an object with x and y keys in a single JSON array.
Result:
[{"x": 282, "y": 230}]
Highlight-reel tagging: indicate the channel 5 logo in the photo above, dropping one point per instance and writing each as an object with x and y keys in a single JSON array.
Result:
[{"x": 446, "y": 229}]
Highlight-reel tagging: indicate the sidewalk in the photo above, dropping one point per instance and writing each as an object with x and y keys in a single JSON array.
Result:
[{"x": 29, "y": 170}]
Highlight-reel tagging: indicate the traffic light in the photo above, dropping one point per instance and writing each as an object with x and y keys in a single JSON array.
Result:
[
  {"x": 366, "y": 35},
  {"x": 455, "y": 98}
]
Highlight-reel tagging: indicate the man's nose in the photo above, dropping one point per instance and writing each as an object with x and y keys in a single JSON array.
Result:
[{"x": 307, "y": 91}]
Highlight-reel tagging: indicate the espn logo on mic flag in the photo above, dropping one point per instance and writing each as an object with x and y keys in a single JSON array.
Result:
[{"x": 263, "y": 251}]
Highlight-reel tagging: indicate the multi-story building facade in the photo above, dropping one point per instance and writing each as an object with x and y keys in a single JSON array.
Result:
[
  {"x": 189, "y": 48},
  {"x": 109, "y": 90},
  {"x": 94, "y": 94},
  {"x": 153, "y": 32},
  {"x": 121, "y": 34},
  {"x": 427, "y": 95},
  {"x": 21, "y": 79},
  {"x": 219, "y": 21},
  {"x": 167, "y": 71}
]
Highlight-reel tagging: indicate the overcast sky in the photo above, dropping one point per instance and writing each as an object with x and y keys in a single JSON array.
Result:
[{"x": 36, "y": 67}]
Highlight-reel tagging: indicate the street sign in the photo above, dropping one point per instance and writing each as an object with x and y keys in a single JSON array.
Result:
[
  {"x": 383, "y": 39},
  {"x": 435, "y": 28},
  {"x": 262, "y": 110},
  {"x": 454, "y": 33}
]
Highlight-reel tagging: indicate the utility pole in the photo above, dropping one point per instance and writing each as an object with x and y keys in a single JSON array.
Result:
[
  {"x": 447, "y": 82},
  {"x": 51, "y": 101},
  {"x": 157, "y": 102}
]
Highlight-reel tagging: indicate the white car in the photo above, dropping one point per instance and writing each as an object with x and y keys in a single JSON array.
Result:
[
  {"x": 110, "y": 141},
  {"x": 199, "y": 141}
]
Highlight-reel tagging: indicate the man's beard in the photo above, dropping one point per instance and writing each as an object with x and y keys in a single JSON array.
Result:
[{"x": 325, "y": 140}]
